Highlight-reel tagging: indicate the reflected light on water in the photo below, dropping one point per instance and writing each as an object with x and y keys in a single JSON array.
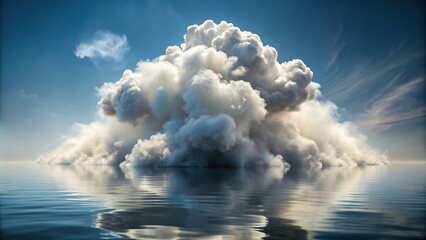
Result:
[{"x": 269, "y": 203}]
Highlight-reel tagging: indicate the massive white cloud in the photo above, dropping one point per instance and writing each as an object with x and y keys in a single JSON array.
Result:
[
  {"x": 219, "y": 99},
  {"x": 104, "y": 45}
]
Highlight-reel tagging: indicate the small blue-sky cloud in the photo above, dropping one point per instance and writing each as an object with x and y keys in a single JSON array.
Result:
[
  {"x": 24, "y": 95},
  {"x": 104, "y": 45}
]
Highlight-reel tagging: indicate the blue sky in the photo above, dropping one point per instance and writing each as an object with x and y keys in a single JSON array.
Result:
[{"x": 368, "y": 56}]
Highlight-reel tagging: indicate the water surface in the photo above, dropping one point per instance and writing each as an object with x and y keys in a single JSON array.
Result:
[{"x": 100, "y": 202}]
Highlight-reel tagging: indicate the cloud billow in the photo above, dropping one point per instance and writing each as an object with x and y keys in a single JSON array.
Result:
[{"x": 219, "y": 99}]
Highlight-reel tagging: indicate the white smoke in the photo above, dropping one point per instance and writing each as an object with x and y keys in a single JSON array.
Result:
[{"x": 219, "y": 99}]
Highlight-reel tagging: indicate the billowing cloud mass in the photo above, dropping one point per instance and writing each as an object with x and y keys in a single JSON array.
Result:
[
  {"x": 104, "y": 45},
  {"x": 219, "y": 99}
]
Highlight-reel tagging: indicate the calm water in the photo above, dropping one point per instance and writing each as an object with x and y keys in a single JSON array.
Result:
[{"x": 65, "y": 202}]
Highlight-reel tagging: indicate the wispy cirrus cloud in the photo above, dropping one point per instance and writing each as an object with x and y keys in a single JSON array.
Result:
[
  {"x": 337, "y": 45},
  {"x": 383, "y": 91},
  {"x": 395, "y": 106},
  {"x": 342, "y": 84},
  {"x": 104, "y": 45}
]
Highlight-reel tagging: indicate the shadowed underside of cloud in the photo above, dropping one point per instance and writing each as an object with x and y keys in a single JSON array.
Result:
[{"x": 219, "y": 99}]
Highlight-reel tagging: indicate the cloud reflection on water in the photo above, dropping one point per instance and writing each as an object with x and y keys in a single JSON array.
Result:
[{"x": 201, "y": 203}]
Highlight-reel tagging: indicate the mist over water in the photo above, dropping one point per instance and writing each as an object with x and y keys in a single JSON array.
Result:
[{"x": 94, "y": 202}]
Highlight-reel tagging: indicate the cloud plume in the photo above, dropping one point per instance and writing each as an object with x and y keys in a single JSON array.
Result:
[{"x": 221, "y": 98}]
